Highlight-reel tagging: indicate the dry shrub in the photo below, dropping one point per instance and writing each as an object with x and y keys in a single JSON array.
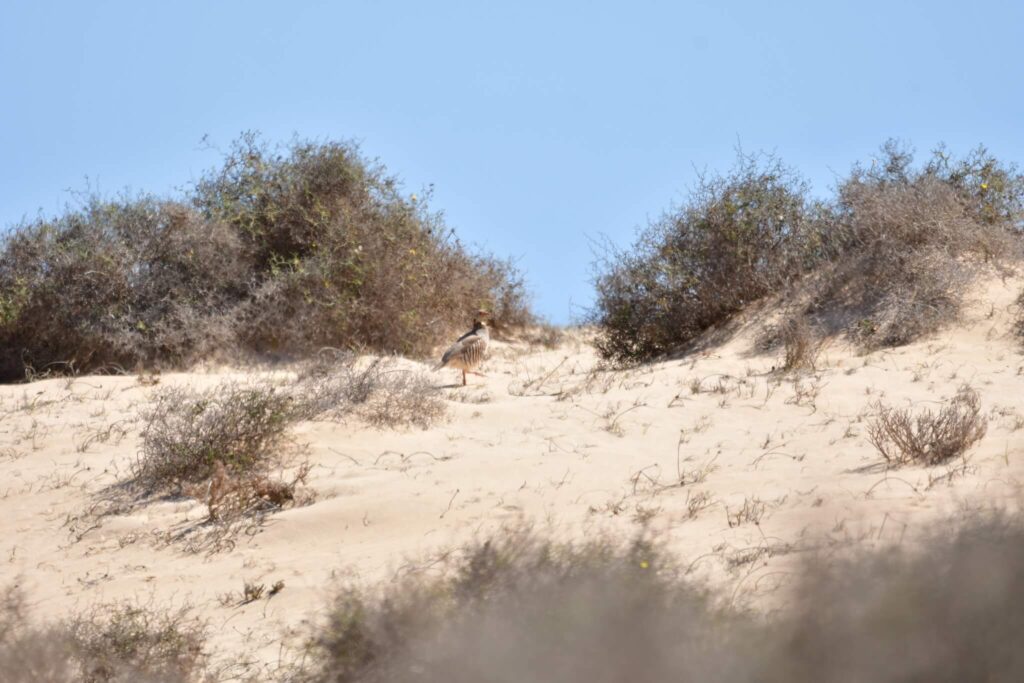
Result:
[
  {"x": 138, "y": 280},
  {"x": 342, "y": 258},
  {"x": 739, "y": 238},
  {"x": 518, "y": 608},
  {"x": 928, "y": 438},
  {"x": 241, "y": 426},
  {"x": 337, "y": 385},
  {"x": 801, "y": 344},
  {"x": 887, "y": 260},
  {"x": 113, "y": 643},
  {"x": 949, "y": 611},
  {"x": 1018, "y": 317},
  {"x": 230, "y": 497},
  {"x": 125, "y": 642},
  {"x": 909, "y": 241},
  {"x": 278, "y": 251}
]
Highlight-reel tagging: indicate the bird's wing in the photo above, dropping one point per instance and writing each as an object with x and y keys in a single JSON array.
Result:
[
  {"x": 465, "y": 343},
  {"x": 450, "y": 353}
]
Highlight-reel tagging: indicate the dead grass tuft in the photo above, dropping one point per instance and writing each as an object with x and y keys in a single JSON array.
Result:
[
  {"x": 241, "y": 427},
  {"x": 928, "y": 438},
  {"x": 801, "y": 345},
  {"x": 336, "y": 385},
  {"x": 111, "y": 643}
]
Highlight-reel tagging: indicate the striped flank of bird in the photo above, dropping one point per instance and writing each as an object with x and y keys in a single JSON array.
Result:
[{"x": 468, "y": 352}]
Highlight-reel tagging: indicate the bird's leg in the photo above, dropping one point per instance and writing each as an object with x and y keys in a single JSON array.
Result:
[{"x": 463, "y": 378}]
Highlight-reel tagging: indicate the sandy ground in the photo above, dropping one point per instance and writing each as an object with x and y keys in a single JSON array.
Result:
[{"x": 771, "y": 467}]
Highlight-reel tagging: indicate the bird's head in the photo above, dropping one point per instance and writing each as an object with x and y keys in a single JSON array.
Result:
[{"x": 480, "y": 319}]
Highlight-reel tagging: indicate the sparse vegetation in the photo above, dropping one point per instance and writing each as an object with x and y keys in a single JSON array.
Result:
[
  {"x": 1018, "y": 317},
  {"x": 519, "y": 607},
  {"x": 801, "y": 345},
  {"x": 523, "y": 609},
  {"x": 112, "y": 643},
  {"x": 928, "y": 438},
  {"x": 241, "y": 427},
  {"x": 230, "y": 446},
  {"x": 277, "y": 252},
  {"x": 886, "y": 261},
  {"x": 336, "y": 385}
]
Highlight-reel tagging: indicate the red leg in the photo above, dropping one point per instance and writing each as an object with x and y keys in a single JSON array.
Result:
[{"x": 463, "y": 378}]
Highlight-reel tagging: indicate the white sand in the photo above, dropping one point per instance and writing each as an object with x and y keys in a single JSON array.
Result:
[{"x": 577, "y": 452}]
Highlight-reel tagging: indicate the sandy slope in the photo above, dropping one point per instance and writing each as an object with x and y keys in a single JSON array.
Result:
[{"x": 544, "y": 437}]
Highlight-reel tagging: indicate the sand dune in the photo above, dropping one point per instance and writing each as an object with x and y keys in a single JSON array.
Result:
[{"x": 740, "y": 468}]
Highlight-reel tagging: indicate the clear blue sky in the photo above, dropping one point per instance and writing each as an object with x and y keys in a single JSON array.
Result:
[{"x": 540, "y": 123}]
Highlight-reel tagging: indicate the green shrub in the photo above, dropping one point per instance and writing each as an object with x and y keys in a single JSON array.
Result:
[{"x": 343, "y": 259}]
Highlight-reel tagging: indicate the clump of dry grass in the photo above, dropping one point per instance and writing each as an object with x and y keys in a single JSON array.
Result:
[
  {"x": 112, "y": 643},
  {"x": 1018, "y": 317},
  {"x": 230, "y": 497},
  {"x": 801, "y": 344},
  {"x": 230, "y": 446},
  {"x": 928, "y": 438},
  {"x": 382, "y": 392},
  {"x": 239, "y": 426}
]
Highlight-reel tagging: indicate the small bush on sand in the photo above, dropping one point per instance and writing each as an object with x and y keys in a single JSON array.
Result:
[
  {"x": 112, "y": 643},
  {"x": 801, "y": 344},
  {"x": 242, "y": 426},
  {"x": 382, "y": 392},
  {"x": 230, "y": 446},
  {"x": 928, "y": 438}
]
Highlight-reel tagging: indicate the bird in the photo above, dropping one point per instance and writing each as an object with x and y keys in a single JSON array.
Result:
[{"x": 468, "y": 352}]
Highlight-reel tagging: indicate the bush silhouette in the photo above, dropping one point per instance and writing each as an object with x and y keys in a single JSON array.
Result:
[
  {"x": 740, "y": 237},
  {"x": 886, "y": 260},
  {"x": 281, "y": 250}
]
